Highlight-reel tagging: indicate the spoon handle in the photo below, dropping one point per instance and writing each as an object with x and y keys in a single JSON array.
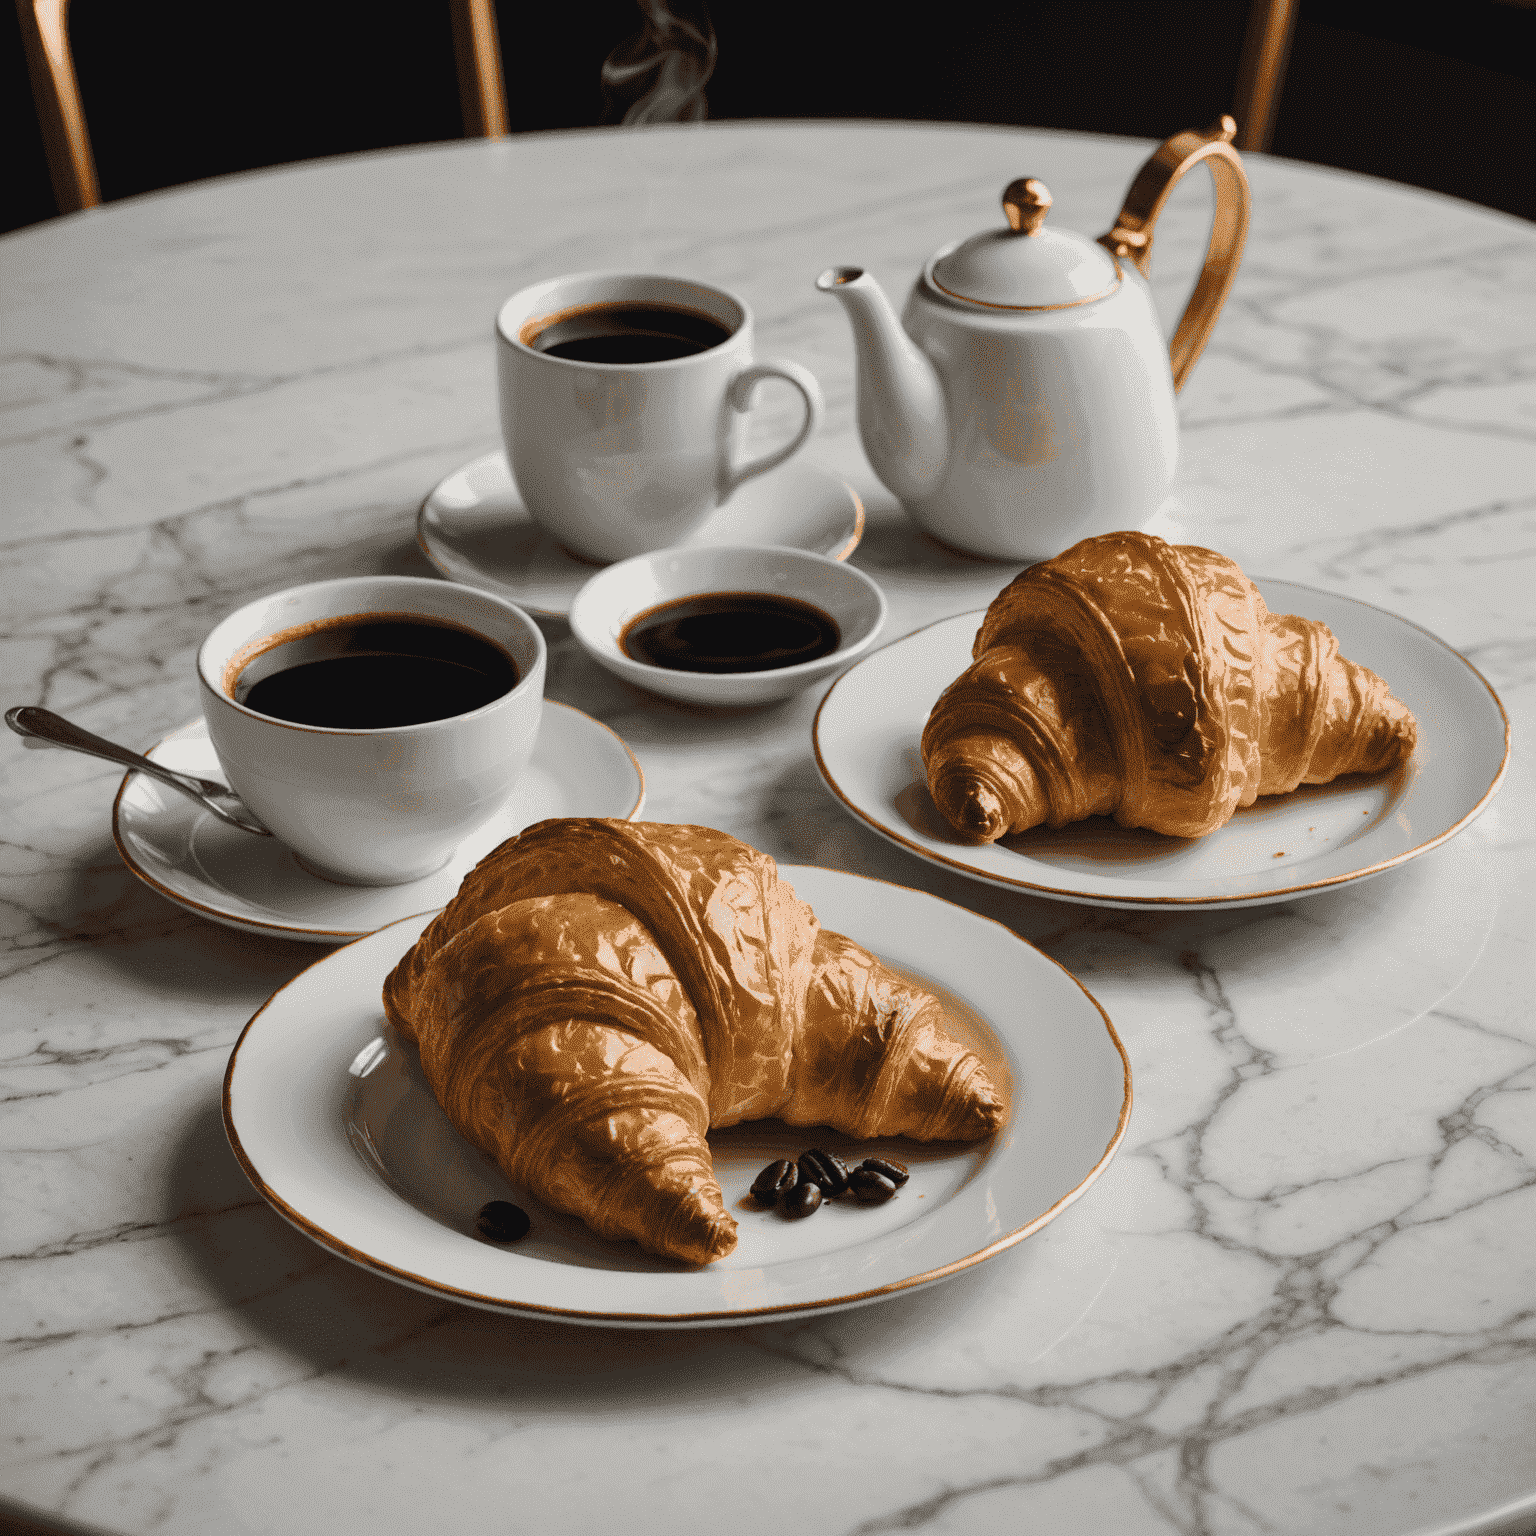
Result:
[
  {"x": 45, "y": 726},
  {"x": 53, "y": 730}
]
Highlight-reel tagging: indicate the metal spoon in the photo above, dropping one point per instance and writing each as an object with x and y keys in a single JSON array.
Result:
[{"x": 53, "y": 730}]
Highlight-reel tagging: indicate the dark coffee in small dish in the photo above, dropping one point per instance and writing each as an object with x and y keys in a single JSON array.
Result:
[
  {"x": 730, "y": 632},
  {"x": 625, "y": 332},
  {"x": 374, "y": 672}
]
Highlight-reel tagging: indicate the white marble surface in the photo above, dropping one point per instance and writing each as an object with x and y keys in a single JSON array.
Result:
[{"x": 1301, "y": 1300}]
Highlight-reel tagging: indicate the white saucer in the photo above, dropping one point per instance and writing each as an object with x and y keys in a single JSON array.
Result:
[
  {"x": 868, "y": 728},
  {"x": 334, "y": 1124},
  {"x": 579, "y": 768},
  {"x": 475, "y": 530}
]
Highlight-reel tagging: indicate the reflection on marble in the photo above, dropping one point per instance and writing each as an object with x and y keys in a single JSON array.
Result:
[{"x": 1301, "y": 1298}]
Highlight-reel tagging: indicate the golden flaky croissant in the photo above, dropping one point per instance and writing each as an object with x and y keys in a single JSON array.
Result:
[
  {"x": 1147, "y": 681},
  {"x": 599, "y": 994}
]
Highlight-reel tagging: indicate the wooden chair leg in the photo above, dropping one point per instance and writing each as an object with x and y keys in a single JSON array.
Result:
[
  {"x": 1266, "y": 51},
  {"x": 56, "y": 92},
  {"x": 482, "y": 86}
]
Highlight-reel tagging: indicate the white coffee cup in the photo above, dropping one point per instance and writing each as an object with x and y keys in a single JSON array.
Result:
[
  {"x": 616, "y": 459},
  {"x": 379, "y": 806}
]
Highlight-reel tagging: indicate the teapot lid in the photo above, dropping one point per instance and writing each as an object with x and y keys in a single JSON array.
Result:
[{"x": 1026, "y": 266}]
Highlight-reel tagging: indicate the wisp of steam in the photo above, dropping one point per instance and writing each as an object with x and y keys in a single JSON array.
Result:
[{"x": 659, "y": 75}]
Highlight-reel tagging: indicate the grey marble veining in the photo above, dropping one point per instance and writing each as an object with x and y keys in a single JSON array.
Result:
[{"x": 1301, "y": 1299}]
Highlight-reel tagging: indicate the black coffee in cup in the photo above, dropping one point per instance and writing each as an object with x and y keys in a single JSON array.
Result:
[
  {"x": 373, "y": 672},
  {"x": 625, "y": 332}
]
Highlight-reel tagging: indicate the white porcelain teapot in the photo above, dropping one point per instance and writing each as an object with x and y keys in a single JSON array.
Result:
[{"x": 1025, "y": 399}]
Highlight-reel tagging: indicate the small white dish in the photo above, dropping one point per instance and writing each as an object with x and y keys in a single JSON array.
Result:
[
  {"x": 334, "y": 1125},
  {"x": 622, "y": 592},
  {"x": 579, "y": 768},
  {"x": 868, "y": 728},
  {"x": 475, "y": 529}
]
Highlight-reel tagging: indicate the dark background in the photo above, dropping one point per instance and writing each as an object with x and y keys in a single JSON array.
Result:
[{"x": 1440, "y": 96}]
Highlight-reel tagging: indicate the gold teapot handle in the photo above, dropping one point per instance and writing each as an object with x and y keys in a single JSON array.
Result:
[{"x": 1131, "y": 236}]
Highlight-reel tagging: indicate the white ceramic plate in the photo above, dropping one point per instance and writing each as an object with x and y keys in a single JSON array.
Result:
[
  {"x": 475, "y": 529},
  {"x": 579, "y": 768},
  {"x": 334, "y": 1125},
  {"x": 870, "y": 723}
]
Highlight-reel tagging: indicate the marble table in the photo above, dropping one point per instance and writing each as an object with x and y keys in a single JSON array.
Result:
[{"x": 1301, "y": 1299}]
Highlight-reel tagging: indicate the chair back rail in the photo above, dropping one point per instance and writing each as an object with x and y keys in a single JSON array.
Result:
[
  {"x": 1261, "y": 72},
  {"x": 61, "y": 115},
  {"x": 56, "y": 91},
  {"x": 482, "y": 84}
]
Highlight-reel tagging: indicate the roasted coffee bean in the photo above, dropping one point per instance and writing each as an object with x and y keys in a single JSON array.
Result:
[
  {"x": 869, "y": 1187},
  {"x": 499, "y": 1221},
  {"x": 825, "y": 1169},
  {"x": 894, "y": 1171},
  {"x": 776, "y": 1180},
  {"x": 803, "y": 1200}
]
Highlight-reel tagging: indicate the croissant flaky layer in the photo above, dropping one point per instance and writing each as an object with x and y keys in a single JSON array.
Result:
[
  {"x": 600, "y": 994},
  {"x": 1147, "y": 681}
]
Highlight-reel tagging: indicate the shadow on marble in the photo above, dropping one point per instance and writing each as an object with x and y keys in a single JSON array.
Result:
[
  {"x": 1309, "y": 978},
  {"x": 17, "y": 1520},
  {"x": 96, "y": 900},
  {"x": 895, "y": 545},
  {"x": 403, "y": 559},
  {"x": 648, "y": 719},
  {"x": 342, "y": 1322},
  {"x": 99, "y": 902}
]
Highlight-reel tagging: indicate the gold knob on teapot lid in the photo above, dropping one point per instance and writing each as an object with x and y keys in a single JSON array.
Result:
[{"x": 1026, "y": 202}]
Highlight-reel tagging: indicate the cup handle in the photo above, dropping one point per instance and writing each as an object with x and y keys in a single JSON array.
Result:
[
  {"x": 1131, "y": 236},
  {"x": 739, "y": 397}
]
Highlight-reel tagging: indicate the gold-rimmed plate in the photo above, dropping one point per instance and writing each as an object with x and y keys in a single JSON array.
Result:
[
  {"x": 868, "y": 728},
  {"x": 331, "y": 1119}
]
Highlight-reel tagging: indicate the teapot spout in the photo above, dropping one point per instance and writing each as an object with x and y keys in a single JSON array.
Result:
[{"x": 902, "y": 416}]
